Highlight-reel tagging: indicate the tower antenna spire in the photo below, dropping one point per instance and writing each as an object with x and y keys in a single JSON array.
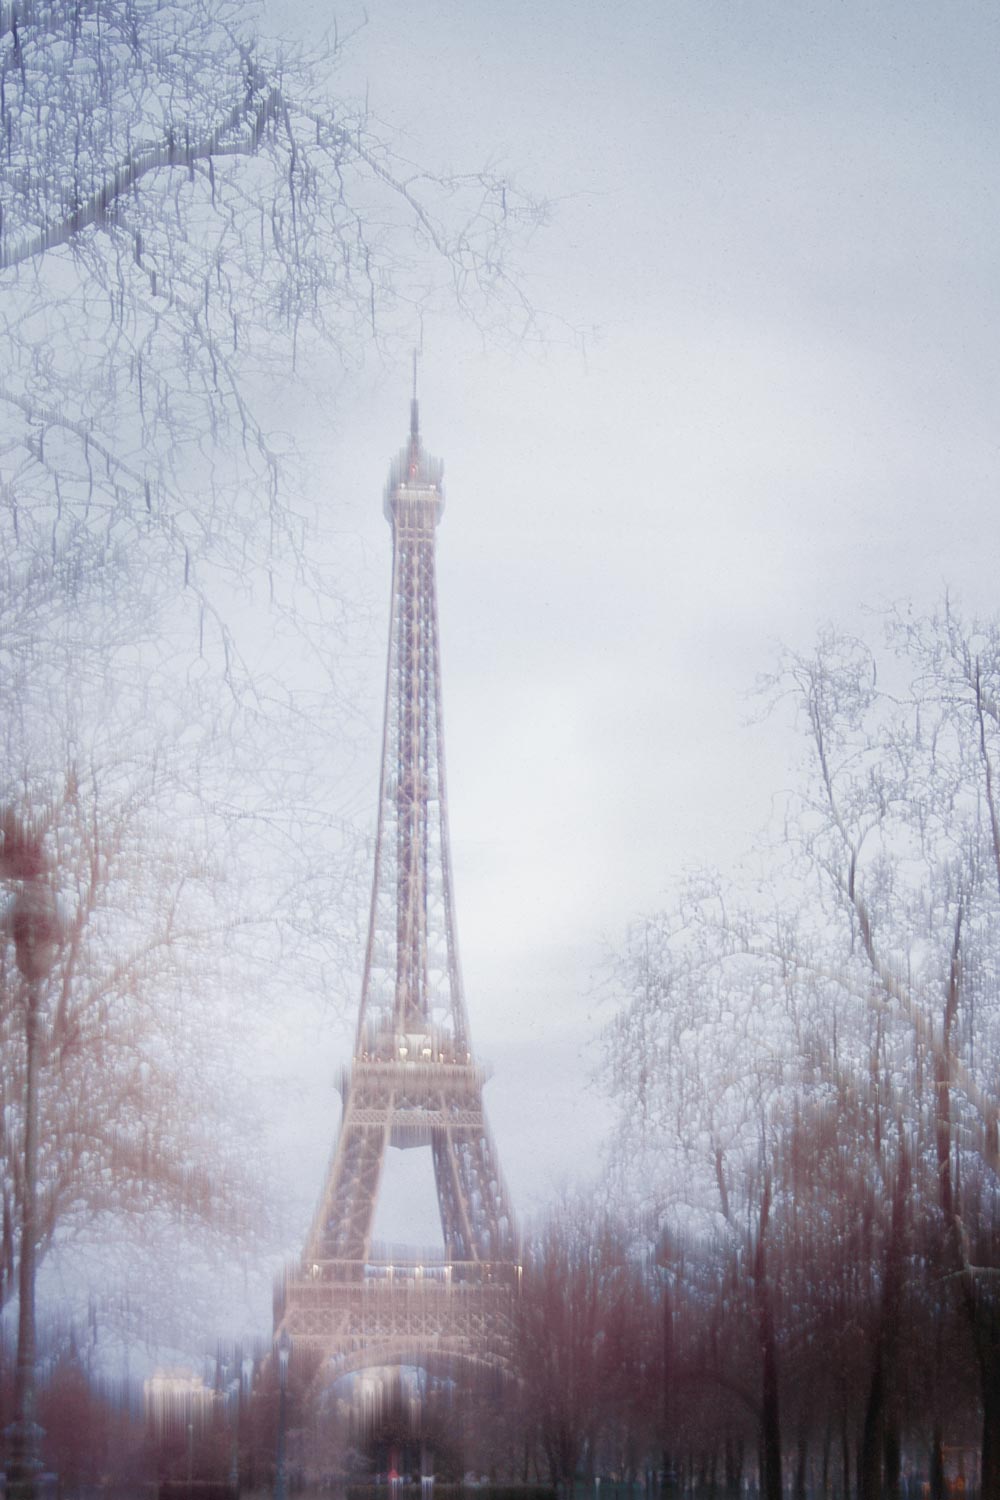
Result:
[{"x": 414, "y": 409}]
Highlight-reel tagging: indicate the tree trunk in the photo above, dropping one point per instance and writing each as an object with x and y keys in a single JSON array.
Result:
[
  {"x": 845, "y": 1448},
  {"x": 666, "y": 1388},
  {"x": 824, "y": 1482},
  {"x": 983, "y": 1314},
  {"x": 870, "y": 1456},
  {"x": 937, "y": 1466},
  {"x": 879, "y": 1460},
  {"x": 891, "y": 1457},
  {"x": 801, "y": 1460},
  {"x": 989, "y": 1367},
  {"x": 734, "y": 1467},
  {"x": 770, "y": 1416}
]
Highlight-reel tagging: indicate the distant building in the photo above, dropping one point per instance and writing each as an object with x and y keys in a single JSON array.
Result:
[{"x": 176, "y": 1398}]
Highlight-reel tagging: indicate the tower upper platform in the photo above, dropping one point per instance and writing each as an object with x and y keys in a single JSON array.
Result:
[{"x": 415, "y": 478}]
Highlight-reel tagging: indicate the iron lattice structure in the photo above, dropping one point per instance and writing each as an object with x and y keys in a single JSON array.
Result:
[{"x": 413, "y": 1080}]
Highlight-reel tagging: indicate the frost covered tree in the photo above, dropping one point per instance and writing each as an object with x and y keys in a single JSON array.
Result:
[
  {"x": 189, "y": 216},
  {"x": 706, "y": 1062},
  {"x": 191, "y": 225},
  {"x": 863, "y": 989},
  {"x": 138, "y": 1121},
  {"x": 188, "y": 909},
  {"x": 581, "y": 1344},
  {"x": 900, "y": 825}
]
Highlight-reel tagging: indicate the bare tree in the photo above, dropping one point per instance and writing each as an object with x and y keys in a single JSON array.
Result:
[
  {"x": 136, "y": 1062},
  {"x": 707, "y": 1063},
  {"x": 189, "y": 216},
  {"x": 571, "y": 1345},
  {"x": 172, "y": 883},
  {"x": 867, "y": 986},
  {"x": 190, "y": 222},
  {"x": 902, "y": 827}
]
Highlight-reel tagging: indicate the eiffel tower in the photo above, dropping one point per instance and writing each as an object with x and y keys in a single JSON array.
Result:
[{"x": 413, "y": 1080}]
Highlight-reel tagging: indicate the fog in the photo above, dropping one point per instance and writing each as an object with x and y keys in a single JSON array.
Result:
[
  {"x": 761, "y": 399},
  {"x": 724, "y": 377}
]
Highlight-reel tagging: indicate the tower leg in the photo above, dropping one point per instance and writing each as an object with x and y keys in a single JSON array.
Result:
[
  {"x": 343, "y": 1228},
  {"x": 474, "y": 1208}
]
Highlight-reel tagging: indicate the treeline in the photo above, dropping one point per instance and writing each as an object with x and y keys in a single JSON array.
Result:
[
  {"x": 824, "y": 1350},
  {"x": 804, "y": 1066},
  {"x": 124, "y": 1436},
  {"x": 790, "y": 1284}
]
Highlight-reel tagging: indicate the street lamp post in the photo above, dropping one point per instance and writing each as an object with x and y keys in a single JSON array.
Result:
[
  {"x": 234, "y": 1394},
  {"x": 229, "y": 1395},
  {"x": 669, "y": 1481},
  {"x": 284, "y": 1349},
  {"x": 35, "y": 928}
]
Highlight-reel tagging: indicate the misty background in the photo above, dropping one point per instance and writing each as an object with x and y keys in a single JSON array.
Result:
[
  {"x": 761, "y": 397},
  {"x": 745, "y": 386}
]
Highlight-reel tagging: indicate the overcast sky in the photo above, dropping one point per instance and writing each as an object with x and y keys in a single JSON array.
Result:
[{"x": 778, "y": 224}]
